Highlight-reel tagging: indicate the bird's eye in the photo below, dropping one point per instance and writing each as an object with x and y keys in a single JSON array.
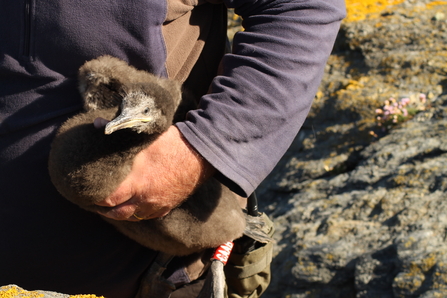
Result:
[{"x": 146, "y": 110}]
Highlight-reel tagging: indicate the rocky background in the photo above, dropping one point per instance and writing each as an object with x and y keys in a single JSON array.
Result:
[{"x": 359, "y": 201}]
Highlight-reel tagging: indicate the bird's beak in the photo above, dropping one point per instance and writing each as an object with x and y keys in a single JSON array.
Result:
[{"x": 124, "y": 121}]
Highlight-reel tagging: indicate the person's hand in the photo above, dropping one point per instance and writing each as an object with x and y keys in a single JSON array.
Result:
[{"x": 162, "y": 177}]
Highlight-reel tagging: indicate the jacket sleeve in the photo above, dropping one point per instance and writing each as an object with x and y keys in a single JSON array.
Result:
[{"x": 258, "y": 104}]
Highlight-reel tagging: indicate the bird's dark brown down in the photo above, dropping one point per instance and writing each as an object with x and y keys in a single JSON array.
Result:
[{"x": 87, "y": 164}]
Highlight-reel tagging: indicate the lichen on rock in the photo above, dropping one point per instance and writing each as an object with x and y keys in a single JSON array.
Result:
[{"x": 14, "y": 291}]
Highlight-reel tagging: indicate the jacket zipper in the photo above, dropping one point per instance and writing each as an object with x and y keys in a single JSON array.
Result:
[{"x": 27, "y": 40}]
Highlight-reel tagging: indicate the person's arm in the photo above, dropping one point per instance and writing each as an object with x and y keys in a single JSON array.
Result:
[
  {"x": 255, "y": 109},
  {"x": 257, "y": 106}
]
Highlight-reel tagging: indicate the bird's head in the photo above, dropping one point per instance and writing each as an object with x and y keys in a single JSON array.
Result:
[{"x": 141, "y": 111}]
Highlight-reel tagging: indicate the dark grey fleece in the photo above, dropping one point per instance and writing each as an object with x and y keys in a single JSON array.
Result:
[{"x": 242, "y": 128}]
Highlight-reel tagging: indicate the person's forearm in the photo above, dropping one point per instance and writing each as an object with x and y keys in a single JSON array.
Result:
[{"x": 257, "y": 106}]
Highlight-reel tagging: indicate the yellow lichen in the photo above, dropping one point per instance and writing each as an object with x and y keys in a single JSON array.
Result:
[
  {"x": 16, "y": 292},
  {"x": 436, "y": 3},
  {"x": 358, "y": 10},
  {"x": 428, "y": 262},
  {"x": 12, "y": 291}
]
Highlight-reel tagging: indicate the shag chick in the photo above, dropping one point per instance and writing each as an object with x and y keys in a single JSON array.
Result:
[{"x": 87, "y": 164}]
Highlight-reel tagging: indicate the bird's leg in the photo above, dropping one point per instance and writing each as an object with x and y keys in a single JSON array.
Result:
[{"x": 214, "y": 286}]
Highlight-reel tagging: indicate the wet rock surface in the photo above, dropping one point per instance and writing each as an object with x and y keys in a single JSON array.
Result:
[{"x": 361, "y": 210}]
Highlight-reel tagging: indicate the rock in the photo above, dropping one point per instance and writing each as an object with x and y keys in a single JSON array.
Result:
[{"x": 359, "y": 209}]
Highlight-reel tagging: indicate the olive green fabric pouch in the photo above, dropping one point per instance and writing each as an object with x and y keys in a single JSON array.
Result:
[{"x": 248, "y": 274}]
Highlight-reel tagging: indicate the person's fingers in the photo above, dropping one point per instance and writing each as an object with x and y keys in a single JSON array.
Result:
[
  {"x": 159, "y": 213},
  {"x": 148, "y": 210},
  {"x": 134, "y": 210},
  {"x": 124, "y": 211}
]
